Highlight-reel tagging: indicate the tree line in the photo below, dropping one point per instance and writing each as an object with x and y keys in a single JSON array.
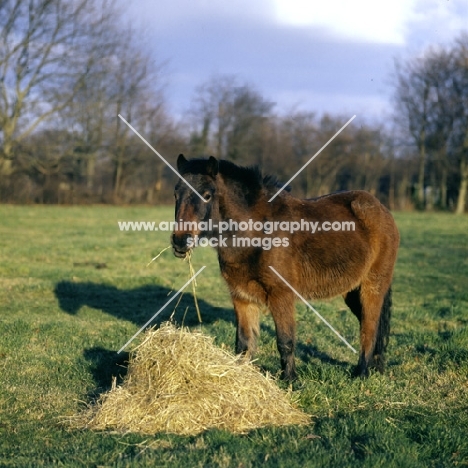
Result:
[{"x": 69, "y": 68}]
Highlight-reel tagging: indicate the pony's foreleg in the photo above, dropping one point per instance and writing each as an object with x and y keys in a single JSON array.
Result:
[
  {"x": 248, "y": 328},
  {"x": 283, "y": 311}
]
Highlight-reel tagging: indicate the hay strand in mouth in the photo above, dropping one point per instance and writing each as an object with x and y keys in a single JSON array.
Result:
[
  {"x": 159, "y": 254},
  {"x": 179, "y": 382},
  {"x": 188, "y": 257}
]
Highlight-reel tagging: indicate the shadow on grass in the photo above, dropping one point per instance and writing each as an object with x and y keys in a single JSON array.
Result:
[
  {"x": 307, "y": 351},
  {"x": 136, "y": 305},
  {"x": 105, "y": 364}
]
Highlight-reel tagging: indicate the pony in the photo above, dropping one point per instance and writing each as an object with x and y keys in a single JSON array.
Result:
[{"x": 318, "y": 263}]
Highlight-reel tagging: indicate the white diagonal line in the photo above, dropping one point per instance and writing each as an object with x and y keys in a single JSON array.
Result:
[
  {"x": 167, "y": 164},
  {"x": 318, "y": 315},
  {"x": 312, "y": 158},
  {"x": 161, "y": 309}
]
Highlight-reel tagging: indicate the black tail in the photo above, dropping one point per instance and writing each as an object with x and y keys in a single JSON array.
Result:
[{"x": 383, "y": 332}]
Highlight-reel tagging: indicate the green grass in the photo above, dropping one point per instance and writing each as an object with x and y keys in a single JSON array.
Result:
[{"x": 62, "y": 321}]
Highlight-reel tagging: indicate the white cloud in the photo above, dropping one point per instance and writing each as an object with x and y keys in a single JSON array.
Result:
[{"x": 368, "y": 20}]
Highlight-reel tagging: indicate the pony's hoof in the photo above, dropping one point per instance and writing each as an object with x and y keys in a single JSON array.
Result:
[
  {"x": 378, "y": 364},
  {"x": 361, "y": 372},
  {"x": 289, "y": 376}
]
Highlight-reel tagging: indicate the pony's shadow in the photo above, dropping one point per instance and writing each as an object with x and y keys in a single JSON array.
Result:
[
  {"x": 305, "y": 352},
  {"x": 136, "y": 305},
  {"x": 105, "y": 365}
]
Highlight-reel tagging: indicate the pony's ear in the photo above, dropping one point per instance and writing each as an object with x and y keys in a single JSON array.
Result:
[
  {"x": 212, "y": 167},
  {"x": 181, "y": 162}
]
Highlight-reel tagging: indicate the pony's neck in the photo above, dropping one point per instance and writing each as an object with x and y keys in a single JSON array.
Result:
[{"x": 237, "y": 202}]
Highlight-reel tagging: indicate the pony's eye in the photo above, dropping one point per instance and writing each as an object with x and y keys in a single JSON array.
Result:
[{"x": 207, "y": 196}]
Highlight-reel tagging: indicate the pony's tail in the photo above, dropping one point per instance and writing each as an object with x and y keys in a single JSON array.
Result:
[{"x": 383, "y": 332}]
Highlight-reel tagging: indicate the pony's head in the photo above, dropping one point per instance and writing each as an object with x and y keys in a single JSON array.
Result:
[{"x": 190, "y": 210}]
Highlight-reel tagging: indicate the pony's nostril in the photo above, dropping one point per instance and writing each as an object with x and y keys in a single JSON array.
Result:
[{"x": 180, "y": 241}]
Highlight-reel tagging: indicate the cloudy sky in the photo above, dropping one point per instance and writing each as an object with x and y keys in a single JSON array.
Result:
[{"x": 318, "y": 55}]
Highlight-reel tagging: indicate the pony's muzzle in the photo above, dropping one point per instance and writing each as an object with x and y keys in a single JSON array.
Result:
[{"x": 180, "y": 245}]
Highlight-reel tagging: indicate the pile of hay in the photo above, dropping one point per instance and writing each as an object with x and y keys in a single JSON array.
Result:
[{"x": 179, "y": 382}]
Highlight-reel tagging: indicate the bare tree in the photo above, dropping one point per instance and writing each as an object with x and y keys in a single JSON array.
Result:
[
  {"x": 300, "y": 139},
  {"x": 134, "y": 94},
  {"x": 432, "y": 102},
  {"x": 459, "y": 140},
  {"x": 230, "y": 120},
  {"x": 211, "y": 116},
  {"x": 70, "y": 67},
  {"x": 89, "y": 111},
  {"x": 45, "y": 58},
  {"x": 412, "y": 96}
]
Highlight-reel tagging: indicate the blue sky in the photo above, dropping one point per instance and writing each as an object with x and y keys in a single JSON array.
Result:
[{"x": 319, "y": 55}]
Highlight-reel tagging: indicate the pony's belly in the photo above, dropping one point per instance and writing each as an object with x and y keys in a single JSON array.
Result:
[{"x": 329, "y": 283}]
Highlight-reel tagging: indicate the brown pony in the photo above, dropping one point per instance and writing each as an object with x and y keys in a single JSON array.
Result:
[{"x": 356, "y": 263}]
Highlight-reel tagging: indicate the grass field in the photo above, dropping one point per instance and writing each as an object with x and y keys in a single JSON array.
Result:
[{"x": 73, "y": 289}]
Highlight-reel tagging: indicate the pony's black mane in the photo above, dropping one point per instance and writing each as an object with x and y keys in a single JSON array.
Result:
[
  {"x": 247, "y": 179},
  {"x": 251, "y": 176}
]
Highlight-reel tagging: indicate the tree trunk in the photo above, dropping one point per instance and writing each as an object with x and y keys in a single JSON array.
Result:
[
  {"x": 422, "y": 153},
  {"x": 6, "y": 168},
  {"x": 118, "y": 176},
  {"x": 463, "y": 185},
  {"x": 403, "y": 196},
  {"x": 90, "y": 170},
  {"x": 219, "y": 145},
  {"x": 204, "y": 136},
  {"x": 309, "y": 183},
  {"x": 443, "y": 188},
  {"x": 391, "y": 185},
  {"x": 421, "y": 171}
]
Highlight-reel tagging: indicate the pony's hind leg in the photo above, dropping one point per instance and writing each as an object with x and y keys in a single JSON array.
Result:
[
  {"x": 383, "y": 333},
  {"x": 353, "y": 301},
  {"x": 248, "y": 328},
  {"x": 371, "y": 302}
]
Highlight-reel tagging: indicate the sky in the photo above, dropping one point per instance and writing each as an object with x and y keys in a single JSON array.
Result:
[{"x": 333, "y": 56}]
